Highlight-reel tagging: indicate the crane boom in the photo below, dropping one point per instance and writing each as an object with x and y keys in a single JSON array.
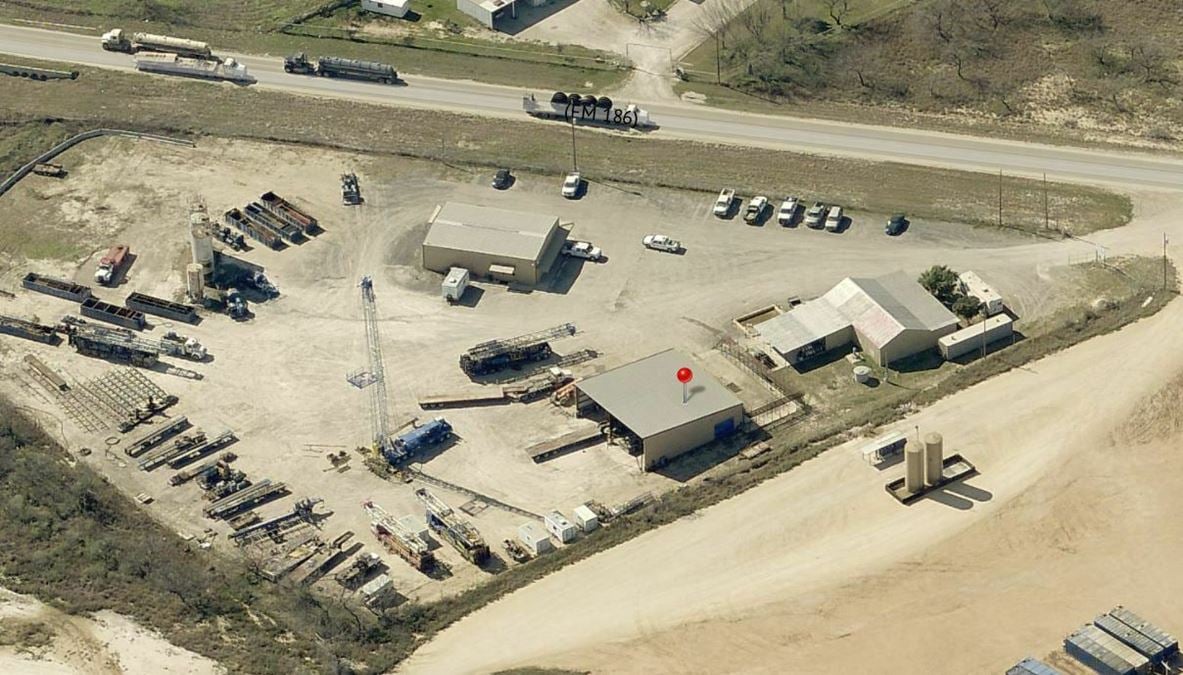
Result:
[{"x": 379, "y": 417}]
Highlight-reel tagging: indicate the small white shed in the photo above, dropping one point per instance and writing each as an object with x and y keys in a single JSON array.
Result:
[
  {"x": 536, "y": 540},
  {"x": 395, "y": 8},
  {"x": 585, "y": 518},
  {"x": 558, "y": 525}
]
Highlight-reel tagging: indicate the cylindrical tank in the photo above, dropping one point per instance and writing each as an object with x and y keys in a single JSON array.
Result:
[
  {"x": 934, "y": 458},
  {"x": 195, "y": 282},
  {"x": 913, "y": 467},
  {"x": 862, "y": 374},
  {"x": 201, "y": 240}
]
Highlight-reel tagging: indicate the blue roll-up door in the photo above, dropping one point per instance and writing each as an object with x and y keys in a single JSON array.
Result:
[{"x": 725, "y": 428}]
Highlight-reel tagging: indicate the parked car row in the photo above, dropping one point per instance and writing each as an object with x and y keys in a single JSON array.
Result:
[{"x": 818, "y": 216}]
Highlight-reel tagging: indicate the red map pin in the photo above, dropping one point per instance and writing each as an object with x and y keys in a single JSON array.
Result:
[{"x": 685, "y": 375}]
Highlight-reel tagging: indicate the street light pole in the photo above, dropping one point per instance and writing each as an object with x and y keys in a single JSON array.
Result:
[
  {"x": 574, "y": 158},
  {"x": 718, "y": 62}
]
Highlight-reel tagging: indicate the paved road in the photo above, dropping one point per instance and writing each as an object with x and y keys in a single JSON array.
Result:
[{"x": 681, "y": 121}]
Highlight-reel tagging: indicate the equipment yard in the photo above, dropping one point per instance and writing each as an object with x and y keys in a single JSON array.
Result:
[{"x": 292, "y": 386}]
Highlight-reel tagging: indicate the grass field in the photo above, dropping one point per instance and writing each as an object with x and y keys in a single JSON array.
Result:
[
  {"x": 930, "y": 193},
  {"x": 1081, "y": 69},
  {"x": 245, "y": 15}
]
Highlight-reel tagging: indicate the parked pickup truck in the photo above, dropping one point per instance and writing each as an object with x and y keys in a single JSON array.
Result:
[
  {"x": 754, "y": 215},
  {"x": 815, "y": 215},
  {"x": 834, "y": 220},
  {"x": 788, "y": 210},
  {"x": 660, "y": 242},
  {"x": 723, "y": 203},
  {"x": 584, "y": 250},
  {"x": 572, "y": 185}
]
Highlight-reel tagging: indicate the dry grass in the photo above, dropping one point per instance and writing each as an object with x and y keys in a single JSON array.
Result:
[{"x": 930, "y": 193}]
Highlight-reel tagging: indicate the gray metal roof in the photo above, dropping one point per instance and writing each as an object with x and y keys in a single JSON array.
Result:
[
  {"x": 1030, "y": 666},
  {"x": 1160, "y": 637},
  {"x": 498, "y": 232},
  {"x": 879, "y": 309},
  {"x": 1142, "y": 644},
  {"x": 646, "y": 397},
  {"x": 1107, "y": 649}
]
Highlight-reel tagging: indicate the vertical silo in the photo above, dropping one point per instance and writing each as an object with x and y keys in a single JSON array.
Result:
[
  {"x": 934, "y": 458},
  {"x": 913, "y": 467}
]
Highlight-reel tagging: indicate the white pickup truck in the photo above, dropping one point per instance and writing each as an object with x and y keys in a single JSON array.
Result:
[
  {"x": 583, "y": 250},
  {"x": 660, "y": 242},
  {"x": 723, "y": 203}
]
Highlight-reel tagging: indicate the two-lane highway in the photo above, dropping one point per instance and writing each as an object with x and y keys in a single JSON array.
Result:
[{"x": 679, "y": 120}]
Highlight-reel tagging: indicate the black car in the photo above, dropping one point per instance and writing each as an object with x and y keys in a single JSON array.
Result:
[
  {"x": 503, "y": 179},
  {"x": 896, "y": 225}
]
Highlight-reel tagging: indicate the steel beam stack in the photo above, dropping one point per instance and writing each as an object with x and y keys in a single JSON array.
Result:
[
  {"x": 243, "y": 499},
  {"x": 207, "y": 448}
]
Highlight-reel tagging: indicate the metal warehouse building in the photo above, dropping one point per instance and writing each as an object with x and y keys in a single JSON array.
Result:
[
  {"x": 890, "y": 318},
  {"x": 645, "y": 397},
  {"x": 509, "y": 246}
]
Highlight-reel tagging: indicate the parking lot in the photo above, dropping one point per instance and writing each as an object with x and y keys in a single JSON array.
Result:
[{"x": 278, "y": 381}]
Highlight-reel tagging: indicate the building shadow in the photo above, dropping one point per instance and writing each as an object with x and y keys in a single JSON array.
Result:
[
  {"x": 563, "y": 274},
  {"x": 929, "y": 359},
  {"x": 821, "y": 360},
  {"x": 494, "y": 564},
  {"x": 528, "y": 16},
  {"x": 471, "y": 297},
  {"x": 685, "y": 468}
]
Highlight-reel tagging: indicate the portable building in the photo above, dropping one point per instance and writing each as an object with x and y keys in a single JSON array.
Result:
[
  {"x": 585, "y": 518},
  {"x": 489, "y": 12},
  {"x": 1104, "y": 653},
  {"x": 558, "y": 525},
  {"x": 1030, "y": 666},
  {"x": 975, "y": 337},
  {"x": 535, "y": 539},
  {"x": 395, "y": 8},
  {"x": 885, "y": 448}
]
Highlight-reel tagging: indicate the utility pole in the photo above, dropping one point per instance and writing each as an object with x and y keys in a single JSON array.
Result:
[
  {"x": 574, "y": 159},
  {"x": 983, "y": 337},
  {"x": 718, "y": 60},
  {"x": 1046, "y": 214},
  {"x": 1000, "y": 198},
  {"x": 1164, "y": 261}
]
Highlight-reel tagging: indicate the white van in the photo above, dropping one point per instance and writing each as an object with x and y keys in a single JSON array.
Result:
[{"x": 834, "y": 219}]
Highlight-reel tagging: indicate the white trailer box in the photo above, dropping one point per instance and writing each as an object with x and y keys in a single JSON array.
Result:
[
  {"x": 585, "y": 518},
  {"x": 535, "y": 538},
  {"x": 972, "y": 285},
  {"x": 558, "y": 525},
  {"x": 885, "y": 448},
  {"x": 975, "y": 337},
  {"x": 395, "y": 8},
  {"x": 455, "y": 284}
]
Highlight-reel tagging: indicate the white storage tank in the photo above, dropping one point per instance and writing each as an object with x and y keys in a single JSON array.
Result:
[
  {"x": 914, "y": 468},
  {"x": 934, "y": 458},
  {"x": 535, "y": 538},
  {"x": 558, "y": 525},
  {"x": 585, "y": 518}
]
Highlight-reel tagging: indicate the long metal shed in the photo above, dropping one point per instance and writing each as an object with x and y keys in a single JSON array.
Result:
[
  {"x": 1169, "y": 643},
  {"x": 1104, "y": 653},
  {"x": 1142, "y": 644},
  {"x": 1030, "y": 666}
]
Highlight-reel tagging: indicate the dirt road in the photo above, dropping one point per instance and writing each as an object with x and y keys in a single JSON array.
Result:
[{"x": 776, "y": 579}]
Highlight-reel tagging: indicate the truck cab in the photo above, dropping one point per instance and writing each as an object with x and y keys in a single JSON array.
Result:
[
  {"x": 298, "y": 63},
  {"x": 115, "y": 40}
]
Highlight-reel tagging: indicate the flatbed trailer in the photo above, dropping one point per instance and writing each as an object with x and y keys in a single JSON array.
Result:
[
  {"x": 156, "y": 437},
  {"x": 569, "y": 442},
  {"x": 244, "y": 499},
  {"x": 45, "y": 372},
  {"x": 463, "y": 400}
]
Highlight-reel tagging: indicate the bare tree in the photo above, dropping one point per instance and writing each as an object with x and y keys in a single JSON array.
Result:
[
  {"x": 996, "y": 12},
  {"x": 838, "y": 10}
]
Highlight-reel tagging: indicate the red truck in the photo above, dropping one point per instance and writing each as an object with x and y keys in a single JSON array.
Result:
[{"x": 110, "y": 265}]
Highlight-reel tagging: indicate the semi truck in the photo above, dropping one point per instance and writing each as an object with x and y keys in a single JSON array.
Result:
[
  {"x": 117, "y": 41},
  {"x": 420, "y": 438},
  {"x": 587, "y": 108},
  {"x": 332, "y": 66},
  {"x": 110, "y": 265},
  {"x": 175, "y": 64}
]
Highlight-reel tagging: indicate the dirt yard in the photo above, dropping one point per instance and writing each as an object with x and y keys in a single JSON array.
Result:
[
  {"x": 105, "y": 644},
  {"x": 279, "y": 383}
]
